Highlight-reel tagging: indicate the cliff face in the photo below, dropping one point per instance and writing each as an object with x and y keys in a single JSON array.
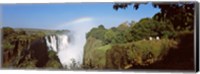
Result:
[
  {"x": 39, "y": 51},
  {"x": 22, "y": 49},
  {"x": 89, "y": 58},
  {"x": 132, "y": 55}
]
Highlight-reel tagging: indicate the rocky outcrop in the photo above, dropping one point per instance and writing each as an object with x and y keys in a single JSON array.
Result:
[
  {"x": 39, "y": 50},
  {"x": 22, "y": 50}
]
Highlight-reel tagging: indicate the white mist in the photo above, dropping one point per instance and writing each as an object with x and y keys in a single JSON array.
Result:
[{"x": 73, "y": 49}]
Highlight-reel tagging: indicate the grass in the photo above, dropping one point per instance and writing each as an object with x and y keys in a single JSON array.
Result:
[
  {"x": 104, "y": 48},
  {"x": 99, "y": 56}
]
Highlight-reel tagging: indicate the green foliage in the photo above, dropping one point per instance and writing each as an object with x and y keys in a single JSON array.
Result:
[
  {"x": 53, "y": 64},
  {"x": 7, "y": 46},
  {"x": 38, "y": 35},
  {"x": 140, "y": 53},
  {"x": 123, "y": 27},
  {"x": 155, "y": 46},
  {"x": 181, "y": 21},
  {"x": 99, "y": 57},
  {"x": 110, "y": 37},
  {"x": 28, "y": 63},
  {"x": 97, "y": 33},
  {"x": 179, "y": 14},
  {"x": 15, "y": 49},
  {"x": 7, "y": 31},
  {"x": 22, "y": 32},
  {"x": 178, "y": 20},
  {"x": 126, "y": 45},
  {"x": 122, "y": 33},
  {"x": 91, "y": 44},
  {"x": 148, "y": 27},
  {"x": 53, "y": 61},
  {"x": 116, "y": 57},
  {"x": 101, "y": 27},
  {"x": 52, "y": 54}
]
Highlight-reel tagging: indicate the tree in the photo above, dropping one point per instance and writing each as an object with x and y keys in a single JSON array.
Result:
[
  {"x": 22, "y": 32},
  {"x": 101, "y": 27},
  {"x": 147, "y": 27},
  {"x": 123, "y": 26},
  {"x": 97, "y": 33},
  {"x": 110, "y": 37},
  {"x": 177, "y": 16},
  {"x": 117, "y": 57},
  {"x": 7, "y": 31},
  {"x": 181, "y": 14}
]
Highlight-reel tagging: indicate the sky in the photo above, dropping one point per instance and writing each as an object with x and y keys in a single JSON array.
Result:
[{"x": 69, "y": 15}]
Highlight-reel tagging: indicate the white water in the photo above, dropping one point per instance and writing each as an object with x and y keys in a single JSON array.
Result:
[
  {"x": 51, "y": 43},
  {"x": 74, "y": 49},
  {"x": 66, "y": 51}
]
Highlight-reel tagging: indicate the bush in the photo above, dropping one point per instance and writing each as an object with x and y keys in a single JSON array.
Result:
[
  {"x": 91, "y": 44},
  {"x": 142, "y": 53}
]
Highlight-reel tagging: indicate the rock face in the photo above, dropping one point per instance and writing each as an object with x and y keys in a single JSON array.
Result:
[
  {"x": 89, "y": 49},
  {"x": 39, "y": 50},
  {"x": 116, "y": 63},
  {"x": 36, "y": 50},
  {"x": 23, "y": 50}
]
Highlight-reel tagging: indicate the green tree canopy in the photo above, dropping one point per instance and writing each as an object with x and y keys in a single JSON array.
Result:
[
  {"x": 180, "y": 14},
  {"x": 110, "y": 37},
  {"x": 147, "y": 27},
  {"x": 97, "y": 33}
]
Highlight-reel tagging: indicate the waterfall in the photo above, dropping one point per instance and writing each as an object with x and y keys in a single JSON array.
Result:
[
  {"x": 67, "y": 52},
  {"x": 51, "y": 42}
]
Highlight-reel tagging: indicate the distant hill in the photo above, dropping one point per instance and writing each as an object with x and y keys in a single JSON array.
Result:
[{"x": 35, "y": 30}]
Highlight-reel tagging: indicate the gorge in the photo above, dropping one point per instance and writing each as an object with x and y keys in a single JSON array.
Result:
[{"x": 66, "y": 48}]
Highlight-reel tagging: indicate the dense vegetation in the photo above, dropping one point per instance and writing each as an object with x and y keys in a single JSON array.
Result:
[
  {"x": 127, "y": 44},
  {"x": 151, "y": 43},
  {"x": 25, "y": 48}
]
